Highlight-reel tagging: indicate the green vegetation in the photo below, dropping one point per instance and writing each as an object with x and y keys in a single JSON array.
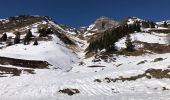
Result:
[
  {"x": 108, "y": 39},
  {"x": 150, "y": 73},
  {"x": 17, "y": 38},
  {"x": 129, "y": 45},
  {"x": 4, "y": 37},
  {"x": 148, "y": 24}
]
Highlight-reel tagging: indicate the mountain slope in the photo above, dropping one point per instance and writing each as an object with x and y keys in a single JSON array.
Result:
[
  {"x": 101, "y": 24},
  {"x": 53, "y": 49},
  {"x": 119, "y": 74}
]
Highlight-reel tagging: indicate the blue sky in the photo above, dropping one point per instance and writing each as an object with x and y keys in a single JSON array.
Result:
[{"x": 83, "y": 12}]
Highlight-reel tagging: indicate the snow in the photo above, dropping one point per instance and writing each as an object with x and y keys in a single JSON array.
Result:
[
  {"x": 91, "y": 27},
  {"x": 54, "y": 51},
  {"x": 159, "y": 38},
  {"x": 162, "y": 22},
  {"x": 45, "y": 84},
  {"x": 133, "y": 20}
]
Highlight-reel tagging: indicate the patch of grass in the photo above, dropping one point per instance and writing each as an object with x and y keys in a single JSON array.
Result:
[
  {"x": 94, "y": 66},
  {"x": 150, "y": 73},
  {"x": 97, "y": 80},
  {"x": 148, "y": 48},
  {"x": 160, "y": 31},
  {"x": 14, "y": 71},
  {"x": 164, "y": 89},
  {"x": 19, "y": 22},
  {"x": 158, "y": 59},
  {"x": 70, "y": 92},
  {"x": 142, "y": 62},
  {"x": 158, "y": 73},
  {"x": 24, "y": 63}
]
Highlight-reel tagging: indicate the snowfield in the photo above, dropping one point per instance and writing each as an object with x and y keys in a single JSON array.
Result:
[
  {"x": 159, "y": 38},
  {"x": 72, "y": 70},
  {"x": 45, "y": 84}
]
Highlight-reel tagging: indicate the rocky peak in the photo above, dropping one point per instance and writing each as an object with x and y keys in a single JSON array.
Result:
[{"x": 104, "y": 23}]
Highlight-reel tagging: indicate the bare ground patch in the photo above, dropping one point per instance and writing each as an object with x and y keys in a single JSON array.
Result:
[
  {"x": 150, "y": 73},
  {"x": 148, "y": 48},
  {"x": 69, "y": 91},
  {"x": 24, "y": 63},
  {"x": 96, "y": 66},
  {"x": 13, "y": 71}
]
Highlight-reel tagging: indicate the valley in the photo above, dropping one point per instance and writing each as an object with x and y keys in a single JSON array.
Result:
[{"x": 81, "y": 63}]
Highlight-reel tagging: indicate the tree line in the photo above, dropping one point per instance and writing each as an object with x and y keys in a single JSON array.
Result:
[
  {"x": 110, "y": 37},
  {"x": 43, "y": 32}
]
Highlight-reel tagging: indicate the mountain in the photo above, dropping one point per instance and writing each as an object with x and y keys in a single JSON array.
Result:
[
  {"x": 53, "y": 48},
  {"x": 101, "y": 24},
  {"x": 124, "y": 60}
]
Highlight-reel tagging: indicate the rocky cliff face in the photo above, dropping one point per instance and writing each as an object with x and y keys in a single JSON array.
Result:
[{"x": 104, "y": 23}]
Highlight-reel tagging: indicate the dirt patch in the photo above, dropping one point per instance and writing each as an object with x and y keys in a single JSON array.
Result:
[
  {"x": 94, "y": 66},
  {"x": 156, "y": 48},
  {"x": 47, "y": 38},
  {"x": 148, "y": 48},
  {"x": 70, "y": 92},
  {"x": 160, "y": 31},
  {"x": 19, "y": 22},
  {"x": 164, "y": 89},
  {"x": 142, "y": 62},
  {"x": 158, "y": 73},
  {"x": 150, "y": 73},
  {"x": 97, "y": 80},
  {"x": 24, "y": 63},
  {"x": 158, "y": 59},
  {"x": 14, "y": 71}
]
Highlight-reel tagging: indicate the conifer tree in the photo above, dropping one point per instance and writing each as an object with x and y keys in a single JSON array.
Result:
[
  {"x": 49, "y": 31},
  {"x": 152, "y": 24},
  {"x": 43, "y": 32},
  {"x": 4, "y": 37},
  {"x": 165, "y": 24},
  {"x": 129, "y": 45},
  {"x": 17, "y": 38},
  {"x": 35, "y": 42},
  {"x": 29, "y": 33},
  {"x": 26, "y": 40}
]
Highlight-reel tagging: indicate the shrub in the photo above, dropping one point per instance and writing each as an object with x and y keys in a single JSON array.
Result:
[
  {"x": 26, "y": 40},
  {"x": 17, "y": 38},
  {"x": 43, "y": 32},
  {"x": 108, "y": 39},
  {"x": 129, "y": 45},
  {"x": 35, "y": 42},
  {"x": 29, "y": 33},
  {"x": 4, "y": 37}
]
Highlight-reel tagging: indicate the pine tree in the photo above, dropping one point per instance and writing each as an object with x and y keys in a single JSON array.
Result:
[
  {"x": 43, "y": 32},
  {"x": 29, "y": 33},
  {"x": 49, "y": 31},
  {"x": 26, "y": 40},
  {"x": 35, "y": 42},
  {"x": 145, "y": 24},
  {"x": 4, "y": 37},
  {"x": 17, "y": 38},
  {"x": 28, "y": 37},
  {"x": 129, "y": 45},
  {"x": 165, "y": 24},
  {"x": 152, "y": 24}
]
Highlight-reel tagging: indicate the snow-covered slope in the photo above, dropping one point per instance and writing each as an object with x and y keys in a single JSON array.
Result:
[
  {"x": 132, "y": 20},
  {"x": 54, "y": 51},
  {"x": 159, "y": 38},
  {"x": 97, "y": 77}
]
